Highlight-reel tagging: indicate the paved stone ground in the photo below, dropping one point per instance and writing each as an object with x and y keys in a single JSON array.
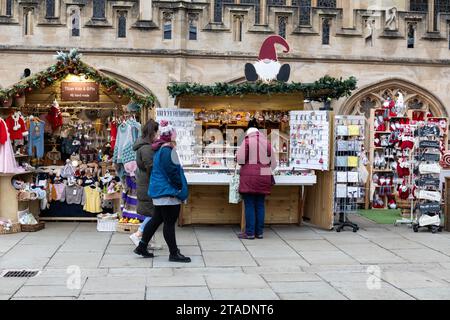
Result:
[{"x": 378, "y": 262}]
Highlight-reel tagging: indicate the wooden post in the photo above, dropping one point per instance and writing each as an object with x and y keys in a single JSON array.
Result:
[{"x": 242, "y": 216}]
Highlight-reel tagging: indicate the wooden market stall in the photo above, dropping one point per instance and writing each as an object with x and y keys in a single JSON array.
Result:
[
  {"x": 306, "y": 195},
  {"x": 88, "y": 100}
]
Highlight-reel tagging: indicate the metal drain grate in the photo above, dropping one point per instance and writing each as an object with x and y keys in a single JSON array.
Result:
[{"x": 19, "y": 273}]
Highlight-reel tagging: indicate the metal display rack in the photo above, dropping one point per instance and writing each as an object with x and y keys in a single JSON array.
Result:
[{"x": 349, "y": 140}]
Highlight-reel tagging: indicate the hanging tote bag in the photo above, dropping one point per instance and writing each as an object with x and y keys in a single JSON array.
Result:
[{"x": 234, "y": 195}]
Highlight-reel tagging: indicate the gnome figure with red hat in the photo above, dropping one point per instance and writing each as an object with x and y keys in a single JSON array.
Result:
[{"x": 268, "y": 68}]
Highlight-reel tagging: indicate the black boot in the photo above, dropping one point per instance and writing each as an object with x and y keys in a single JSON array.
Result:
[
  {"x": 178, "y": 257},
  {"x": 141, "y": 250},
  {"x": 250, "y": 72}
]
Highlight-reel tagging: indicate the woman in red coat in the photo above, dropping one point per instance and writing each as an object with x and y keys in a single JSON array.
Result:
[{"x": 257, "y": 160}]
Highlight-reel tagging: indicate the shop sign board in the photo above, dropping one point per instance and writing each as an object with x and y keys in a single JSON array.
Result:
[{"x": 80, "y": 91}]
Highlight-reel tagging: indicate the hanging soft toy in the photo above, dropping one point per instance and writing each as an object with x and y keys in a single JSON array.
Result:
[
  {"x": 54, "y": 116},
  {"x": 403, "y": 191},
  {"x": 377, "y": 202}
]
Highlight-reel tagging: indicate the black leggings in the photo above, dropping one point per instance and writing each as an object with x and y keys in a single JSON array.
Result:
[{"x": 168, "y": 215}]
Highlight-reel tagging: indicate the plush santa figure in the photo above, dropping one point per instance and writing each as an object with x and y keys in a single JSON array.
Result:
[
  {"x": 392, "y": 204},
  {"x": 268, "y": 68}
]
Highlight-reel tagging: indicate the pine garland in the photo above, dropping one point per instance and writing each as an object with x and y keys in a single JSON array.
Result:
[
  {"x": 70, "y": 63},
  {"x": 324, "y": 89}
]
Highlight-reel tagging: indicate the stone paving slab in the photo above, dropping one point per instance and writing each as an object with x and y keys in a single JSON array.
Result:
[
  {"x": 247, "y": 294},
  {"x": 395, "y": 243},
  {"x": 327, "y": 257},
  {"x": 163, "y": 262},
  {"x": 235, "y": 281},
  {"x": 274, "y": 262},
  {"x": 412, "y": 280},
  {"x": 129, "y": 260},
  {"x": 4, "y": 297},
  {"x": 124, "y": 284},
  {"x": 228, "y": 259},
  {"x": 207, "y": 270},
  {"x": 220, "y": 245},
  {"x": 176, "y": 281},
  {"x": 81, "y": 259},
  {"x": 272, "y": 269},
  {"x": 46, "y": 291},
  {"x": 178, "y": 293},
  {"x": 131, "y": 296},
  {"x": 430, "y": 293},
  {"x": 360, "y": 291},
  {"x": 311, "y": 245},
  {"x": 274, "y": 252},
  {"x": 145, "y": 272},
  {"x": 8, "y": 286},
  {"x": 290, "y": 277},
  {"x": 421, "y": 255}
]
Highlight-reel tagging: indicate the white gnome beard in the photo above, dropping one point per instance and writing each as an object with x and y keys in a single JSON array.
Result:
[{"x": 267, "y": 71}]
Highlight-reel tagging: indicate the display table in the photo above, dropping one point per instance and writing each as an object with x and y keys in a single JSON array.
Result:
[
  {"x": 208, "y": 200},
  {"x": 9, "y": 204}
]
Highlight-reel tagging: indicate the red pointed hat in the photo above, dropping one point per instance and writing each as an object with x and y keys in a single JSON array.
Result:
[{"x": 268, "y": 50}]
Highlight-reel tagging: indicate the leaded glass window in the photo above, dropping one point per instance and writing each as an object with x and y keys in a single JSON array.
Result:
[
  {"x": 305, "y": 12},
  {"x": 418, "y": 5},
  {"x": 282, "y": 23},
  {"x": 99, "y": 9},
  {"x": 167, "y": 26},
  {"x": 122, "y": 24},
  {"x": 256, "y": 3},
  {"x": 49, "y": 8},
  {"x": 440, "y": 6},
  {"x": 9, "y": 5},
  {"x": 326, "y": 3},
  {"x": 276, "y": 2},
  {"x": 218, "y": 9},
  {"x": 326, "y": 28}
]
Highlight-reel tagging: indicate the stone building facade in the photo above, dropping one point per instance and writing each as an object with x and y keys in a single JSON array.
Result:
[{"x": 387, "y": 45}]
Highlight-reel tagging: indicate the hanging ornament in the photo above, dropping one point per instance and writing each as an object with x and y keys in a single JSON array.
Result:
[
  {"x": 30, "y": 89},
  {"x": 86, "y": 77}
]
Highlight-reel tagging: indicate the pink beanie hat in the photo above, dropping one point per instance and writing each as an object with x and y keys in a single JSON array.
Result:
[{"x": 130, "y": 168}]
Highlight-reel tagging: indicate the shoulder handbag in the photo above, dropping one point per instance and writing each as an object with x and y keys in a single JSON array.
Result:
[
  {"x": 353, "y": 130},
  {"x": 234, "y": 196}
]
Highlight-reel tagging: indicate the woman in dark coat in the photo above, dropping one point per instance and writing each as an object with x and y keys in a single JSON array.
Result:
[
  {"x": 144, "y": 160},
  {"x": 257, "y": 160}
]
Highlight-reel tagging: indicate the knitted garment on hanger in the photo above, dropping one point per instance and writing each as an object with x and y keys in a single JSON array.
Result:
[
  {"x": 129, "y": 198},
  {"x": 93, "y": 202},
  {"x": 3, "y": 132},
  {"x": 123, "y": 151},
  {"x": 113, "y": 133}
]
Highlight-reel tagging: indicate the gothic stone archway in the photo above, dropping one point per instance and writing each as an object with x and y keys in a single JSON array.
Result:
[{"x": 372, "y": 96}]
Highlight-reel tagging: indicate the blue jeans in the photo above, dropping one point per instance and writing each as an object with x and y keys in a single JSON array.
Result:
[
  {"x": 254, "y": 214},
  {"x": 142, "y": 226}
]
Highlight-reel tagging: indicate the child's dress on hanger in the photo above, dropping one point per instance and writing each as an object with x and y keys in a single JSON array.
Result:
[{"x": 8, "y": 162}]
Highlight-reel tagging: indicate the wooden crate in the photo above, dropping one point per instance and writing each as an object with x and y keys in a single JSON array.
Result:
[{"x": 127, "y": 227}]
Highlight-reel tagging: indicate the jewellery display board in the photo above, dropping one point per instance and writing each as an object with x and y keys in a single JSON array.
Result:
[
  {"x": 349, "y": 133},
  {"x": 310, "y": 134}
]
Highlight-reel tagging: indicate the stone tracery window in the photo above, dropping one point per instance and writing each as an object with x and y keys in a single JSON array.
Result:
[
  {"x": 305, "y": 12},
  {"x": 99, "y": 11},
  {"x": 218, "y": 9},
  {"x": 9, "y": 7},
  {"x": 418, "y": 5},
  {"x": 276, "y": 2},
  {"x": 411, "y": 35},
  {"x": 326, "y": 29},
  {"x": 193, "y": 19},
  {"x": 282, "y": 24},
  {"x": 326, "y": 3},
  {"x": 50, "y": 8},
  {"x": 167, "y": 25},
  {"x": 372, "y": 98},
  {"x": 440, "y": 6}
]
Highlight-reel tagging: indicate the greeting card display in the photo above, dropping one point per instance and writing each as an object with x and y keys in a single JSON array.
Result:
[
  {"x": 184, "y": 123},
  {"x": 310, "y": 134}
]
